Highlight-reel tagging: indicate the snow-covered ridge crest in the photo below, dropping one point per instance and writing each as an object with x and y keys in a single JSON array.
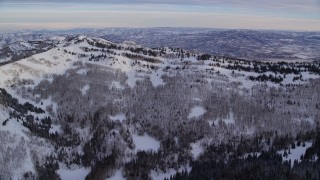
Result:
[
  {"x": 139, "y": 61},
  {"x": 91, "y": 40},
  {"x": 128, "y": 44}
]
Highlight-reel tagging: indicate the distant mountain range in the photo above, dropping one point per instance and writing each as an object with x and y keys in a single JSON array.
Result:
[{"x": 246, "y": 44}]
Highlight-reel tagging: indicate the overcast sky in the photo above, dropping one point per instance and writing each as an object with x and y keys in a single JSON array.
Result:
[{"x": 235, "y": 14}]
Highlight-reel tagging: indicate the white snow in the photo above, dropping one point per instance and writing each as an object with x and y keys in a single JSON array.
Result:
[
  {"x": 58, "y": 38},
  {"x": 84, "y": 89},
  {"x": 131, "y": 81},
  {"x": 156, "y": 79},
  {"x": 55, "y": 128},
  {"x": 117, "y": 176},
  {"x": 196, "y": 111},
  {"x": 13, "y": 126},
  {"x": 127, "y": 44},
  {"x": 211, "y": 122},
  {"x": 36, "y": 67},
  {"x": 119, "y": 117},
  {"x": 145, "y": 143},
  {"x": 230, "y": 119},
  {"x": 75, "y": 174},
  {"x": 117, "y": 85},
  {"x": 48, "y": 103},
  {"x": 197, "y": 99},
  {"x": 15, "y": 138},
  {"x": 295, "y": 153},
  {"x": 252, "y": 154},
  {"x": 5, "y": 59},
  {"x": 27, "y": 45},
  {"x": 82, "y": 71},
  {"x": 196, "y": 149}
]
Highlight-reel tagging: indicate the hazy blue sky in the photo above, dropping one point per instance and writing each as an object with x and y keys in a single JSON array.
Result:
[{"x": 254, "y": 14}]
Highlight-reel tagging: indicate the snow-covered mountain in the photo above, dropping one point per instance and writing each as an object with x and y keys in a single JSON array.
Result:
[
  {"x": 87, "y": 107},
  {"x": 246, "y": 44}
]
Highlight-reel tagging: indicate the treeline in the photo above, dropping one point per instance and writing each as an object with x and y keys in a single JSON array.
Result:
[
  {"x": 263, "y": 78},
  {"x": 219, "y": 161},
  {"x": 262, "y": 67},
  {"x": 39, "y": 127},
  {"x": 143, "y": 51},
  {"x": 7, "y": 100},
  {"x": 141, "y": 57},
  {"x": 98, "y": 44}
]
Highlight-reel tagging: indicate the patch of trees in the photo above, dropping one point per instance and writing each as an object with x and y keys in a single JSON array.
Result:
[
  {"x": 204, "y": 57},
  {"x": 170, "y": 155},
  {"x": 30, "y": 107},
  {"x": 286, "y": 68},
  {"x": 103, "y": 45},
  {"x": 106, "y": 149},
  {"x": 268, "y": 165},
  {"x": 7, "y": 100},
  {"x": 141, "y": 57},
  {"x": 98, "y": 57},
  {"x": 313, "y": 68},
  {"x": 41, "y": 128},
  {"x": 314, "y": 150},
  {"x": 264, "y": 78},
  {"x": 101, "y": 168},
  {"x": 143, "y": 51},
  {"x": 86, "y": 49},
  {"x": 263, "y": 67},
  {"x": 48, "y": 169},
  {"x": 5, "y": 122},
  {"x": 140, "y": 167},
  {"x": 297, "y": 78},
  {"x": 69, "y": 52},
  {"x": 239, "y": 67},
  {"x": 219, "y": 162}
]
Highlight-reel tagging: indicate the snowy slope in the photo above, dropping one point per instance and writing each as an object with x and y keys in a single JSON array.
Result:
[
  {"x": 17, "y": 147},
  {"x": 137, "y": 63},
  {"x": 58, "y": 60}
]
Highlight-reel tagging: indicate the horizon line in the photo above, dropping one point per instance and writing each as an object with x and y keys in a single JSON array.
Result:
[{"x": 153, "y": 27}]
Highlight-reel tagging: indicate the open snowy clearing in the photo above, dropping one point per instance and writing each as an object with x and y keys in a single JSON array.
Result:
[
  {"x": 145, "y": 143},
  {"x": 75, "y": 174},
  {"x": 229, "y": 119},
  {"x": 84, "y": 89},
  {"x": 117, "y": 85},
  {"x": 117, "y": 175},
  {"x": 196, "y": 111},
  {"x": 196, "y": 149},
  {"x": 119, "y": 117},
  {"x": 295, "y": 153}
]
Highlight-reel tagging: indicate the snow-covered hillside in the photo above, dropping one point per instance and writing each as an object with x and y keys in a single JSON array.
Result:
[{"x": 87, "y": 107}]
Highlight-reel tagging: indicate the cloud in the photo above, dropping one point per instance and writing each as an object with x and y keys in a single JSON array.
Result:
[
  {"x": 275, "y": 5},
  {"x": 251, "y": 3},
  {"x": 282, "y": 5},
  {"x": 153, "y": 19},
  {"x": 261, "y": 14}
]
